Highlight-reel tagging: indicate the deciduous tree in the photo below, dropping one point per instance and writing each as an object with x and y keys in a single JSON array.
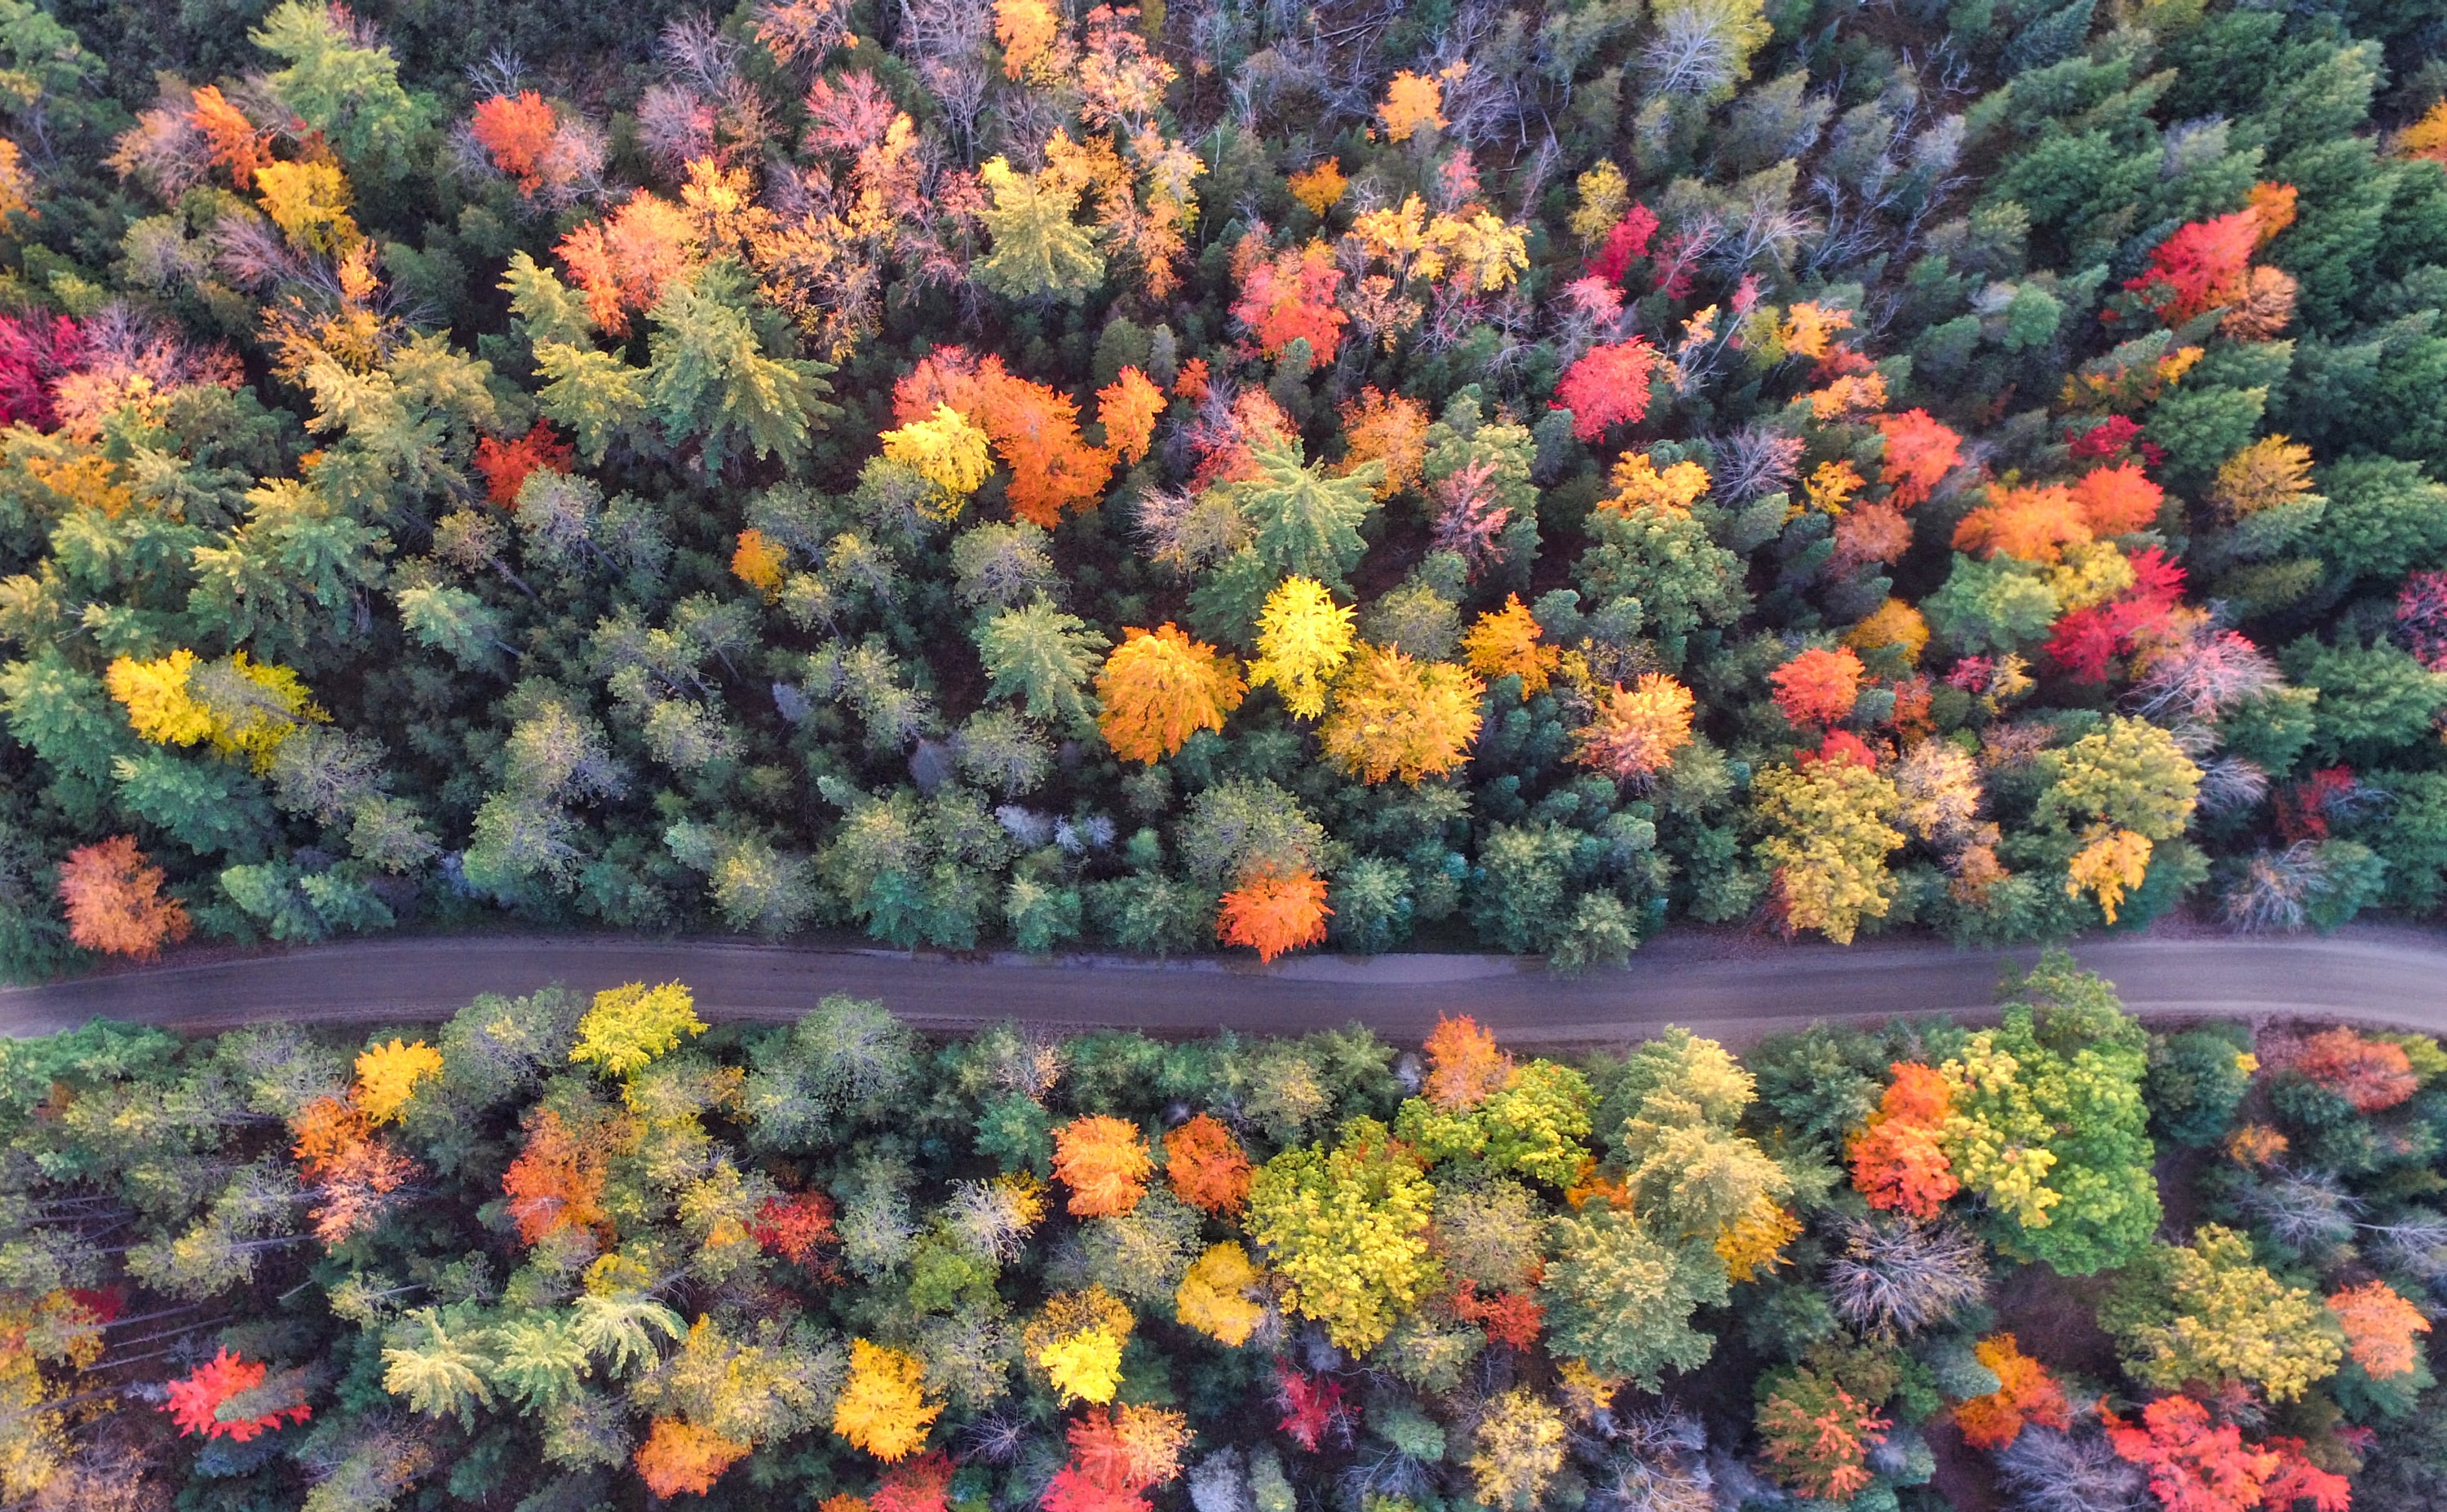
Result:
[
  {"x": 1159, "y": 687},
  {"x": 1304, "y": 639},
  {"x": 883, "y": 1408},
  {"x": 1348, "y": 1228},
  {"x": 1607, "y": 385},
  {"x": 114, "y": 902},
  {"x": 1104, "y": 1162},
  {"x": 1275, "y": 912},
  {"x": 1394, "y": 716},
  {"x": 629, "y": 1027}
]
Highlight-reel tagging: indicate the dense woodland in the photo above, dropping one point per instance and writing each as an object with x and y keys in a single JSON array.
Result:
[
  {"x": 980, "y": 473},
  {"x": 573, "y": 1253}
]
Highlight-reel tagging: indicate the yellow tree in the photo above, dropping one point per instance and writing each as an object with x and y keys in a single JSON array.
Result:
[
  {"x": 1159, "y": 687},
  {"x": 388, "y": 1074},
  {"x": 1078, "y": 1342},
  {"x": 1304, "y": 639},
  {"x": 1214, "y": 1297},
  {"x": 946, "y": 450},
  {"x": 630, "y": 1026},
  {"x": 1394, "y": 716},
  {"x": 1828, "y": 838},
  {"x": 882, "y": 1407},
  {"x": 1348, "y": 1230}
]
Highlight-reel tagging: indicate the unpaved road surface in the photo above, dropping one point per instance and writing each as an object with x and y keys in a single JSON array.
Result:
[{"x": 1728, "y": 988}]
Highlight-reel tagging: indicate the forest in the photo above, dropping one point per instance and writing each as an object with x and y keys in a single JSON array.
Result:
[
  {"x": 570, "y": 1254},
  {"x": 1461, "y": 474}
]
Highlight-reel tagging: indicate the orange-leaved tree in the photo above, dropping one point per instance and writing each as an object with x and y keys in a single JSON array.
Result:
[
  {"x": 1274, "y": 911},
  {"x": 1633, "y": 732},
  {"x": 1159, "y": 687},
  {"x": 1104, "y": 1162},
  {"x": 2196, "y": 1464},
  {"x": 1898, "y": 1163},
  {"x": 2117, "y": 501},
  {"x": 1116, "y": 1456},
  {"x": 517, "y": 133},
  {"x": 195, "y": 1401},
  {"x": 2025, "y": 1394},
  {"x": 1919, "y": 452},
  {"x": 681, "y": 1457},
  {"x": 558, "y": 1180},
  {"x": 796, "y": 1227},
  {"x": 1209, "y": 1169},
  {"x": 2371, "y": 1075},
  {"x": 1818, "y": 687},
  {"x": 922, "y": 1484},
  {"x": 1465, "y": 1068},
  {"x": 1288, "y": 296},
  {"x": 1127, "y": 409},
  {"x": 2031, "y": 525},
  {"x": 1505, "y": 642},
  {"x": 506, "y": 463},
  {"x": 1817, "y": 1433},
  {"x": 624, "y": 261},
  {"x": 351, "y": 1170},
  {"x": 114, "y": 901},
  {"x": 2381, "y": 1328}
]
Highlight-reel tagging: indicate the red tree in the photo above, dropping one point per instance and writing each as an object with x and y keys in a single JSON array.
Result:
[
  {"x": 195, "y": 1401},
  {"x": 1509, "y": 1317},
  {"x": 35, "y": 349},
  {"x": 1609, "y": 384},
  {"x": 2421, "y": 618},
  {"x": 1625, "y": 242},
  {"x": 1289, "y": 297},
  {"x": 922, "y": 1484},
  {"x": 1313, "y": 1409},
  {"x": 2371, "y": 1075},
  {"x": 506, "y": 463},
  {"x": 796, "y": 1227},
  {"x": 2086, "y": 641},
  {"x": 2200, "y": 267}
]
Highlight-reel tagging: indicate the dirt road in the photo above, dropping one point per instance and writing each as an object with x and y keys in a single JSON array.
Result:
[{"x": 1730, "y": 989}]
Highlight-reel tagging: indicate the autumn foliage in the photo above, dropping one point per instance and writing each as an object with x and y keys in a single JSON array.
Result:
[
  {"x": 195, "y": 1400},
  {"x": 680, "y": 1458},
  {"x": 2200, "y": 266},
  {"x": 2196, "y": 1464},
  {"x": 114, "y": 901},
  {"x": 1898, "y": 1163},
  {"x": 1815, "y": 1434},
  {"x": 1288, "y": 296},
  {"x": 2371, "y": 1075},
  {"x": 1272, "y": 914},
  {"x": 557, "y": 1180},
  {"x": 1919, "y": 452},
  {"x": 517, "y": 133},
  {"x": 1209, "y": 1169},
  {"x": 1818, "y": 687},
  {"x": 1159, "y": 687},
  {"x": 506, "y": 463},
  {"x": 1633, "y": 732},
  {"x": 1465, "y": 1066},
  {"x": 797, "y": 1227},
  {"x": 1104, "y": 1162},
  {"x": 884, "y": 1408},
  {"x": 2026, "y": 1393},
  {"x": 624, "y": 261},
  {"x": 2381, "y": 1328},
  {"x": 1606, "y": 386}
]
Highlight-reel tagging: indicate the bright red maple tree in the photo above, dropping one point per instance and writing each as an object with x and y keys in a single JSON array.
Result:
[
  {"x": 1606, "y": 386},
  {"x": 506, "y": 463},
  {"x": 195, "y": 1400},
  {"x": 1818, "y": 687},
  {"x": 517, "y": 133}
]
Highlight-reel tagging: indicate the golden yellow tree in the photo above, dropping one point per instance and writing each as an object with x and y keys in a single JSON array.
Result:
[
  {"x": 630, "y": 1026},
  {"x": 1214, "y": 1297},
  {"x": 1078, "y": 1342},
  {"x": 1394, "y": 716},
  {"x": 1304, "y": 639},
  {"x": 388, "y": 1074},
  {"x": 882, "y": 1407},
  {"x": 1633, "y": 732},
  {"x": 1159, "y": 687}
]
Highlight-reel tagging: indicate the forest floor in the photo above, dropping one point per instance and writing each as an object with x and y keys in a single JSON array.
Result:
[{"x": 1730, "y": 986}]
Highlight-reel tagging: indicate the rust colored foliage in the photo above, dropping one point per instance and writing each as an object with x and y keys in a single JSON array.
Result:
[
  {"x": 1128, "y": 408},
  {"x": 1272, "y": 915},
  {"x": 1897, "y": 1163},
  {"x": 2371, "y": 1075},
  {"x": 558, "y": 1180},
  {"x": 517, "y": 133},
  {"x": 1465, "y": 1069},
  {"x": 2034, "y": 524},
  {"x": 2026, "y": 1393},
  {"x": 1159, "y": 687},
  {"x": 2197, "y": 1464},
  {"x": 195, "y": 1400},
  {"x": 680, "y": 1457},
  {"x": 922, "y": 1484},
  {"x": 1116, "y": 1456},
  {"x": 2200, "y": 266},
  {"x": 1871, "y": 532},
  {"x": 2381, "y": 1328},
  {"x": 1511, "y": 1318},
  {"x": 1387, "y": 429},
  {"x": 624, "y": 261},
  {"x": 506, "y": 463},
  {"x": 1104, "y": 1163},
  {"x": 1608, "y": 385},
  {"x": 1206, "y": 1165},
  {"x": 1818, "y": 687},
  {"x": 2117, "y": 501},
  {"x": 1919, "y": 452},
  {"x": 114, "y": 901},
  {"x": 235, "y": 141},
  {"x": 1288, "y": 296},
  {"x": 796, "y": 1227}
]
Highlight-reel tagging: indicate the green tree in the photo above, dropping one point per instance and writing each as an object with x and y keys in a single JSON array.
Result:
[
  {"x": 1039, "y": 252},
  {"x": 440, "y": 1376},
  {"x": 1039, "y": 654},
  {"x": 592, "y": 394},
  {"x": 1621, "y": 1300},
  {"x": 349, "y": 93},
  {"x": 1306, "y": 520},
  {"x": 710, "y": 379},
  {"x": 2205, "y": 1311},
  {"x": 2374, "y": 701}
]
